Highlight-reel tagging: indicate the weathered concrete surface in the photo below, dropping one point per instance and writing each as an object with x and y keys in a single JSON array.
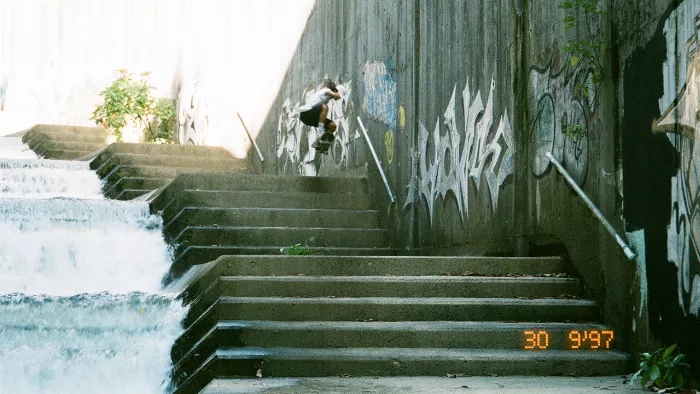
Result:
[
  {"x": 346, "y": 334},
  {"x": 402, "y": 61},
  {"x": 210, "y": 215},
  {"x": 462, "y": 99},
  {"x": 65, "y": 142},
  {"x": 370, "y": 265},
  {"x": 131, "y": 170},
  {"x": 389, "y": 316},
  {"x": 426, "y": 385},
  {"x": 405, "y": 362},
  {"x": 658, "y": 84}
]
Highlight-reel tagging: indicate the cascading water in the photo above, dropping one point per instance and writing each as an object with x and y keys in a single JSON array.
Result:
[{"x": 81, "y": 304}]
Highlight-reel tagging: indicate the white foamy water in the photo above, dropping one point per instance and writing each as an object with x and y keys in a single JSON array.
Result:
[
  {"x": 14, "y": 148},
  {"x": 48, "y": 178},
  {"x": 81, "y": 304}
]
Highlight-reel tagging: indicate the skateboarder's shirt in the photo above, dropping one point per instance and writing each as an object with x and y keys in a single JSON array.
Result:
[{"x": 318, "y": 97}]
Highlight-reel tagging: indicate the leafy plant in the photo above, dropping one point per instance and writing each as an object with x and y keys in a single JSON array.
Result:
[
  {"x": 130, "y": 101},
  {"x": 662, "y": 369},
  {"x": 161, "y": 128},
  {"x": 299, "y": 249},
  {"x": 583, "y": 51}
]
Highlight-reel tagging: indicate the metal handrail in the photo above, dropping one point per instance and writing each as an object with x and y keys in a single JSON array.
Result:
[
  {"x": 376, "y": 160},
  {"x": 255, "y": 144},
  {"x": 625, "y": 248}
]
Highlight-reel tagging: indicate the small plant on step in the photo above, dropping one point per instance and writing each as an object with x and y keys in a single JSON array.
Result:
[
  {"x": 299, "y": 249},
  {"x": 663, "y": 369}
]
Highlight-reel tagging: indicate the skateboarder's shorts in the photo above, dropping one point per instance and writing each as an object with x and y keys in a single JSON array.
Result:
[{"x": 310, "y": 117}]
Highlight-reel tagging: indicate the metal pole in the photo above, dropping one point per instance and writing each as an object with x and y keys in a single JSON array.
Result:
[
  {"x": 628, "y": 251},
  {"x": 376, "y": 160},
  {"x": 255, "y": 144}
]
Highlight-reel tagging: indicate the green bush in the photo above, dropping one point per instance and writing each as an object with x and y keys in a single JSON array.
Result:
[
  {"x": 128, "y": 100},
  {"x": 662, "y": 369}
]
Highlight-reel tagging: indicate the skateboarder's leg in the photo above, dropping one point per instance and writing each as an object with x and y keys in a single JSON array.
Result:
[{"x": 322, "y": 115}]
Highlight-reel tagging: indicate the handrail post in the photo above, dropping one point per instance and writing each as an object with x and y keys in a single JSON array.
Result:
[
  {"x": 255, "y": 144},
  {"x": 628, "y": 251},
  {"x": 376, "y": 160}
]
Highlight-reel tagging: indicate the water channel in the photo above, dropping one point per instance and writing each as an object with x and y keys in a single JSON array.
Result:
[{"x": 82, "y": 309}]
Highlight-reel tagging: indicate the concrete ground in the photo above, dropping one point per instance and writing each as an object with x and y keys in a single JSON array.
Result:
[{"x": 490, "y": 385}]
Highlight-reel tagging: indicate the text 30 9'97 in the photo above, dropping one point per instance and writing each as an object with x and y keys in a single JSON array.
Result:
[{"x": 577, "y": 339}]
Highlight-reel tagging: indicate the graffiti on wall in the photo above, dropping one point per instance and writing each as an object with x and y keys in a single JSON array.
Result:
[
  {"x": 486, "y": 151},
  {"x": 192, "y": 117},
  {"x": 557, "y": 102},
  {"x": 294, "y": 139},
  {"x": 380, "y": 102},
  {"x": 681, "y": 119}
]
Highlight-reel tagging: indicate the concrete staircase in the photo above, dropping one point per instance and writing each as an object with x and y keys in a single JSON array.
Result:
[
  {"x": 356, "y": 310},
  {"x": 287, "y": 316},
  {"x": 132, "y": 170},
  {"x": 209, "y": 215},
  {"x": 65, "y": 142}
]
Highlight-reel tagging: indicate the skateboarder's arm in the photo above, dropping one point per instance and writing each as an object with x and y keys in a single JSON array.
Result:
[{"x": 336, "y": 96}]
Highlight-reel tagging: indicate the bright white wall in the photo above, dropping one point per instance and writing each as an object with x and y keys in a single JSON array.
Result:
[{"x": 56, "y": 55}]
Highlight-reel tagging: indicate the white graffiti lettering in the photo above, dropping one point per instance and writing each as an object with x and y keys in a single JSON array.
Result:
[
  {"x": 192, "y": 118},
  {"x": 450, "y": 168}
]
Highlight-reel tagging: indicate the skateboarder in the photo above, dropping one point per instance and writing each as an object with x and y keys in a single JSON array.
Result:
[{"x": 313, "y": 113}]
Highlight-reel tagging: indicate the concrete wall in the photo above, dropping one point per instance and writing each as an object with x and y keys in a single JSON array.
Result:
[
  {"x": 462, "y": 99},
  {"x": 55, "y": 56},
  {"x": 412, "y": 68},
  {"x": 659, "y": 87}
]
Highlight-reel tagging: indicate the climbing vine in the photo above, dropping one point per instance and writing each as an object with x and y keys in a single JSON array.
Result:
[{"x": 588, "y": 50}]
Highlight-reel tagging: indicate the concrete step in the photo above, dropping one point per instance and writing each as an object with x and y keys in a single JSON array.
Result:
[
  {"x": 259, "y": 236},
  {"x": 66, "y": 133},
  {"x": 110, "y": 172},
  {"x": 370, "y": 265},
  {"x": 68, "y": 145},
  {"x": 134, "y": 183},
  {"x": 130, "y": 194},
  {"x": 388, "y": 286},
  {"x": 196, "y": 255},
  {"x": 188, "y": 354},
  {"x": 269, "y": 217},
  {"x": 90, "y": 137},
  {"x": 198, "y": 162},
  {"x": 162, "y": 150},
  {"x": 60, "y": 154},
  {"x": 268, "y": 183},
  {"x": 135, "y": 171},
  {"x": 289, "y": 362},
  {"x": 387, "y": 309},
  {"x": 261, "y": 199}
]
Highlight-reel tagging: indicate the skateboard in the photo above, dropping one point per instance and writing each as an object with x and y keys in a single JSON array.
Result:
[{"x": 322, "y": 146}]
